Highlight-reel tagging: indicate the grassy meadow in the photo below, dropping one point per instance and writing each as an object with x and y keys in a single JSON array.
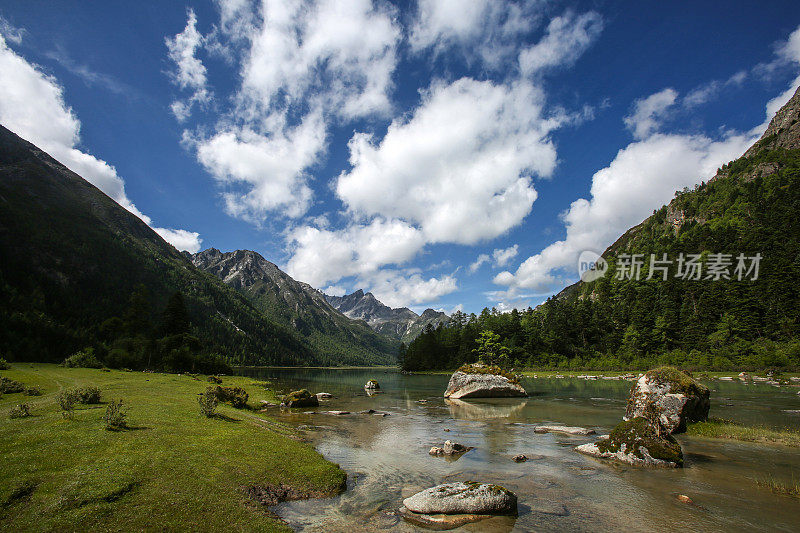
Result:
[{"x": 172, "y": 468}]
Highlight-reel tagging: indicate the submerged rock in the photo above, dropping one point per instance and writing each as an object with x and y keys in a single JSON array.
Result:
[
  {"x": 569, "y": 430},
  {"x": 300, "y": 398},
  {"x": 670, "y": 397},
  {"x": 637, "y": 442},
  {"x": 478, "y": 381},
  {"x": 324, "y": 395},
  {"x": 520, "y": 458},
  {"x": 463, "y": 498},
  {"x": 372, "y": 385}
]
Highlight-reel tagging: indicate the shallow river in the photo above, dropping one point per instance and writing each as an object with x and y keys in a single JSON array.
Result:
[{"x": 387, "y": 459}]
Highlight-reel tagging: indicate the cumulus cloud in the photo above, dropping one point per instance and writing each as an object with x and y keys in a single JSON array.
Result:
[
  {"x": 32, "y": 106},
  {"x": 302, "y": 65},
  {"x": 649, "y": 112},
  {"x": 271, "y": 166},
  {"x": 320, "y": 256},
  {"x": 566, "y": 39},
  {"x": 334, "y": 290},
  {"x": 189, "y": 73},
  {"x": 460, "y": 167},
  {"x": 502, "y": 256},
  {"x": 478, "y": 29},
  {"x": 398, "y": 289},
  {"x": 642, "y": 177}
]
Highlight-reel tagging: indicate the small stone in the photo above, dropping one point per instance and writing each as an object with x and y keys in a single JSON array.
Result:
[
  {"x": 324, "y": 395},
  {"x": 372, "y": 384},
  {"x": 451, "y": 447},
  {"x": 336, "y": 413},
  {"x": 436, "y": 451},
  {"x": 564, "y": 429},
  {"x": 684, "y": 498},
  {"x": 446, "y": 429},
  {"x": 520, "y": 458},
  {"x": 463, "y": 498}
]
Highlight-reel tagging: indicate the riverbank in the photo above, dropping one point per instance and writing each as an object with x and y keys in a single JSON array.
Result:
[
  {"x": 716, "y": 428},
  {"x": 173, "y": 469}
]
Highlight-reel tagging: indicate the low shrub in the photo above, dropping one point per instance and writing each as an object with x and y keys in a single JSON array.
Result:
[
  {"x": 236, "y": 396},
  {"x": 20, "y": 411},
  {"x": 10, "y": 386},
  {"x": 87, "y": 395},
  {"x": 32, "y": 391},
  {"x": 115, "y": 416},
  {"x": 208, "y": 402},
  {"x": 83, "y": 359},
  {"x": 66, "y": 401},
  {"x": 4, "y": 364},
  {"x": 215, "y": 379}
]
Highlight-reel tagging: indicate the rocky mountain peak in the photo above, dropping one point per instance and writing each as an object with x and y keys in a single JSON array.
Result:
[{"x": 783, "y": 130}]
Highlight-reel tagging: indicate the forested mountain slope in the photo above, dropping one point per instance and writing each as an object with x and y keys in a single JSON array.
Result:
[
  {"x": 78, "y": 270},
  {"x": 302, "y": 307}
]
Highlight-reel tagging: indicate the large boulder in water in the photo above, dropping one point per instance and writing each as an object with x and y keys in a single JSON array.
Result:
[
  {"x": 668, "y": 397},
  {"x": 300, "y": 398},
  {"x": 637, "y": 442},
  {"x": 463, "y": 498},
  {"x": 478, "y": 381}
]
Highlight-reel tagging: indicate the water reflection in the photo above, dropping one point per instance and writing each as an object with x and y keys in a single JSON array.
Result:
[{"x": 483, "y": 409}]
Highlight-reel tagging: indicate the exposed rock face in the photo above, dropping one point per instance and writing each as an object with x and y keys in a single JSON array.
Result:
[
  {"x": 637, "y": 442},
  {"x": 670, "y": 397},
  {"x": 482, "y": 385},
  {"x": 402, "y": 323},
  {"x": 300, "y": 398},
  {"x": 463, "y": 498}
]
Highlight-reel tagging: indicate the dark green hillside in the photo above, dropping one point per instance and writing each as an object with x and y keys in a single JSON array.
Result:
[
  {"x": 70, "y": 259},
  {"x": 750, "y": 207},
  {"x": 285, "y": 301}
]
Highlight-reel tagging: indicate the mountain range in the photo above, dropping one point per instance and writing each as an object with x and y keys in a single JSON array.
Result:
[{"x": 402, "y": 323}]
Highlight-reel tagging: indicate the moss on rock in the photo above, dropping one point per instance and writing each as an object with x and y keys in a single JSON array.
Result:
[
  {"x": 300, "y": 398},
  {"x": 632, "y": 435},
  {"x": 492, "y": 370}
]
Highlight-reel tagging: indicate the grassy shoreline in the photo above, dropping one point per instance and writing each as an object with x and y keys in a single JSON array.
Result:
[
  {"x": 716, "y": 428},
  {"x": 174, "y": 469}
]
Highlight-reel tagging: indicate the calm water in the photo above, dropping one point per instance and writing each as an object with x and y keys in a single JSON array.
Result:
[{"x": 386, "y": 457}]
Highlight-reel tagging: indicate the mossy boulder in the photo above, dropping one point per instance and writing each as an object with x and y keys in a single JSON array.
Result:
[
  {"x": 638, "y": 442},
  {"x": 463, "y": 498},
  {"x": 479, "y": 381},
  {"x": 300, "y": 398},
  {"x": 669, "y": 397}
]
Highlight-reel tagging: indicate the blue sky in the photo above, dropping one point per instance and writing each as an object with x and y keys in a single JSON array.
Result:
[{"x": 441, "y": 154}]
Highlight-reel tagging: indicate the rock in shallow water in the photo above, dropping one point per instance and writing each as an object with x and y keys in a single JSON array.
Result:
[
  {"x": 300, "y": 398},
  {"x": 477, "y": 382},
  {"x": 671, "y": 396},
  {"x": 639, "y": 443},
  {"x": 463, "y": 498},
  {"x": 569, "y": 430},
  {"x": 441, "y": 522}
]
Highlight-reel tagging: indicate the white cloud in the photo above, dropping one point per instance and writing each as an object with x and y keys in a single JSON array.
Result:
[
  {"x": 189, "y": 73},
  {"x": 271, "y": 167},
  {"x": 642, "y": 177},
  {"x": 181, "y": 239},
  {"x": 398, "y": 289},
  {"x": 649, "y": 112},
  {"x": 334, "y": 290},
  {"x": 788, "y": 51},
  {"x": 32, "y": 106},
  {"x": 341, "y": 50},
  {"x": 460, "y": 167},
  {"x": 320, "y": 256},
  {"x": 479, "y": 262},
  {"x": 704, "y": 93},
  {"x": 447, "y": 20},
  {"x": 502, "y": 256},
  {"x": 566, "y": 38}
]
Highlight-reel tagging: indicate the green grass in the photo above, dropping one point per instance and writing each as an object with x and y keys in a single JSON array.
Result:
[
  {"x": 725, "y": 429},
  {"x": 175, "y": 469},
  {"x": 790, "y": 488}
]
